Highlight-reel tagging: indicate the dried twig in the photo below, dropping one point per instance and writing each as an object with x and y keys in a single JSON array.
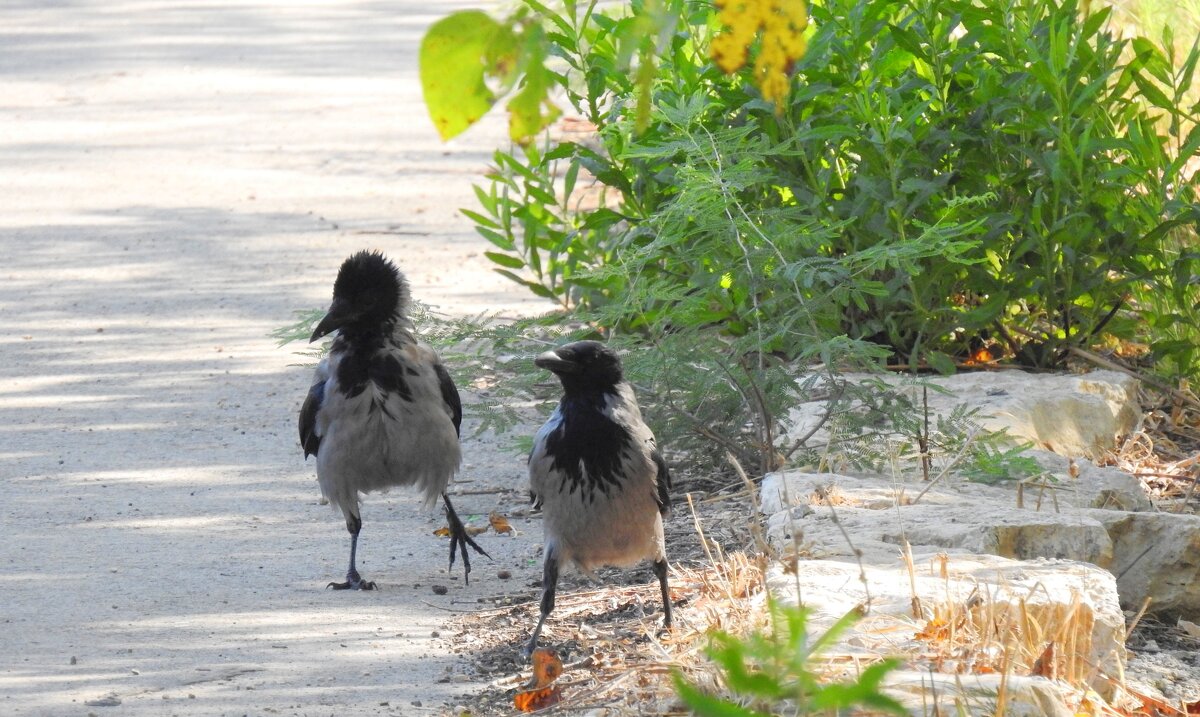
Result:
[
  {"x": 1138, "y": 617},
  {"x": 756, "y": 531}
]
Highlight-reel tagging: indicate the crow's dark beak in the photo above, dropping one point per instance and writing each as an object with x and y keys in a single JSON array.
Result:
[
  {"x": 551, "y": 361},
  {"x": 340, "y": 313}
]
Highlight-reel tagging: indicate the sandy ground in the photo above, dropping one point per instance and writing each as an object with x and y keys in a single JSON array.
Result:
[{"x": 177, "y": 179}]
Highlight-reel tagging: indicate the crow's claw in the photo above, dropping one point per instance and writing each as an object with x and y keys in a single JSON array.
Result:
[
  {"x": 459, "y": 538},
  {"x": 354, "y": 581}
]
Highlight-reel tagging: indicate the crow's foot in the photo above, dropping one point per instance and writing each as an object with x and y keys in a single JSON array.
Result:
[
  {"x": 354, "y": 581},
  {"x": 460, "y": 539}
]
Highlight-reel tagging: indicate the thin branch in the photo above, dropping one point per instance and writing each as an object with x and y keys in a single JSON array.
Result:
[
  {"x": 962, "y": 451},
  {"x": 830, "y": 403}
]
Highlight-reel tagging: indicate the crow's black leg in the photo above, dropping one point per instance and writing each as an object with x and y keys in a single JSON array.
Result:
[
  {"x": 660, "y": 569},
  {"x": 549, "y": 586},
  {"x": 459, "y": 537},
  {"x": 354, "y": 581}
]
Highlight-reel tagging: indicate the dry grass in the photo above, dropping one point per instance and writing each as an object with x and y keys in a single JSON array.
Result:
[
  {"x": 1022, "y": 635},
  {"x": 1165, "y": 452}
]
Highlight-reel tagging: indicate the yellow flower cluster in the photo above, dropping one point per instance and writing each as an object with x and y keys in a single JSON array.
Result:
[{"x": 781, "y": 23}]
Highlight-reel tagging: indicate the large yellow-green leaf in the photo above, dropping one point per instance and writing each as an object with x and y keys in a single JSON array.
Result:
[
  {"x": 530, "y": 109},
  {"x": 453, "y": 58}
]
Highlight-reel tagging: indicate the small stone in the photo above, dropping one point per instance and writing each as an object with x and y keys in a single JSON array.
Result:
[
  {"x": 504, "y": 575},
  {"x": 440, "y": 590},
  {"x": 74, "y": 661},
  {"x": 109, "y": 700}
]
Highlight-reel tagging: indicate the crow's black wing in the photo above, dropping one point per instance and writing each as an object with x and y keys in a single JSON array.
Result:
[
  {"x": 662, "y": 482},
  {"x": 542, "y": 471},
  {"x": 535, "y": 500},
  {"x": 309, "y": 439},
  {"x": 450, "y": 395}
]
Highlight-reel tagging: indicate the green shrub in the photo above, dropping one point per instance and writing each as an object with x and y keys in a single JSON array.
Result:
[
  {"x": 772, "y": 673},
  {"x": 1012, "y": 153}
]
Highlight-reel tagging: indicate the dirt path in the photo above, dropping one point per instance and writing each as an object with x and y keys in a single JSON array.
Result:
[{"x": 177, "y": 179}]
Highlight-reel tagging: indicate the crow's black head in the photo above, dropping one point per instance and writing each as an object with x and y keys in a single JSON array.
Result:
[
  {"x": 369, "y": 295},
  {"x": 583, "y": 366}
]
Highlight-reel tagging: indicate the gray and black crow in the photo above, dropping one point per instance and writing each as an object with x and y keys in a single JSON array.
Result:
[
  {"x": 382, "y": 410},
  {"x": 596, "y": 472}
]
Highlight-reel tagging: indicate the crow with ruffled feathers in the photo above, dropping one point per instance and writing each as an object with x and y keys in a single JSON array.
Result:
[
  {"x": 382, "y": 410},
  {"x": 597, "y": 474}
]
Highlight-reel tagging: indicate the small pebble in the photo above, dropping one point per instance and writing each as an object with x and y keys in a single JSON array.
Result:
[
  {"x": 504, "y": 575},
  {"x": 109, "y": 700},
  {"x": 440, "y": 590}
]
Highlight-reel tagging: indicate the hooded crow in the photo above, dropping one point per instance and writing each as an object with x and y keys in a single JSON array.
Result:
[
  {"x": 382, "y": 410},
  {"x": 596, "y": 472}
]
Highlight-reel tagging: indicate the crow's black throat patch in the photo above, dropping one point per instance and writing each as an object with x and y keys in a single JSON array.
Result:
[
  {"x": 375, "y": 365},
  {"x": 588, "y": 448}
]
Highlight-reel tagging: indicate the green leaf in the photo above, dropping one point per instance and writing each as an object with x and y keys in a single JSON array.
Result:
[
  {"x": 541, "y": 195},
  {"x": 940, "y": 362},
  {"x": 601, "y": 218},
  {"x": 863, "y": 691},
  {"x": 500, "y": 240},
  {"x": 542, "y": 291},
  {"x": 512, "y": 262},
  {"x": 530, "y": 109},
  {"x": 1094, "y": 21},
  {"x": 479, "y": 219},
  {"x": 1152, "y": 93},
  {"x": 742, "y": 679},
  {"x": 987, "y": 312},
  {"x": 452, "y": 57},
  {"x": 1150, "y": 58},
  {"x": 569, "y": 180},
  {"x": 1187, "y": 151},
  {"x": 538, "y": 289},
  {"x": 706, "y": 705},
  {"x": 908, "y": 40},
  {"x": 835, "y": 631}
]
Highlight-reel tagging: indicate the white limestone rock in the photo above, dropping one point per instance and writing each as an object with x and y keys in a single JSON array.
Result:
[
  {"x": 1095, "y": 486},
  {"x": 878, "y": 517},
  {"x": 982, "y": 590},
  {"x": 1078, "y": 415},
  {"x": 933, "y": 693},
  {"x": 1156, "y": 555}
]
